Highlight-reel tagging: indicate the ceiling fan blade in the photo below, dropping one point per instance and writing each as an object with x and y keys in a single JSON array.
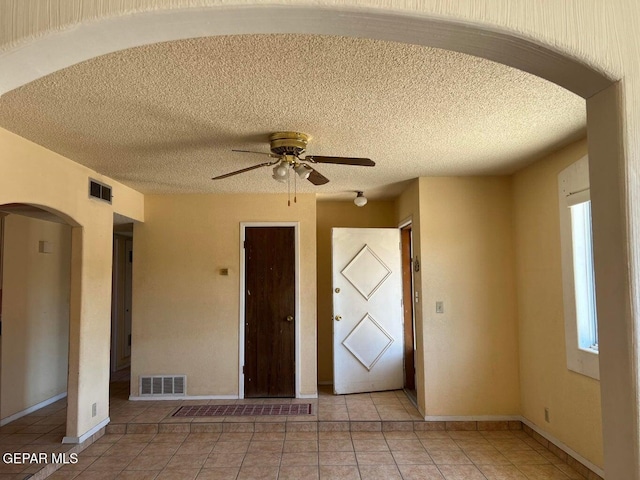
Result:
[
  {"x": 362, "y": 162},
  {"x": 259, "y": 153},
  {"x": 316, "y": 177},
  {"x": 265, "y": 164}
]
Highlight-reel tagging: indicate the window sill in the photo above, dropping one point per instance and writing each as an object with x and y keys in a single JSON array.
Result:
[{"x": 592, "y": 351}]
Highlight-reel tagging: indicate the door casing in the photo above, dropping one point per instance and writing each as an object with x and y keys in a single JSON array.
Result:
[
  {"x": 409, "y": 308},
  {"x": 243, "y": 226}
]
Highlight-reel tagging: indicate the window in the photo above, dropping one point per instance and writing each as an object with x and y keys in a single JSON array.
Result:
[
  {"x": 583, "y": 277},
  {"x": 581, "y": 323}
]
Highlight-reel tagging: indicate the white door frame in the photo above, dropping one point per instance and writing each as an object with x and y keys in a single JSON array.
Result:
[{"x": 296, "y": 233}]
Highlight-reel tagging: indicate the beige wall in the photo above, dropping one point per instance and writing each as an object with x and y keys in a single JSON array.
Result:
[
  {"x": 34, "y": 175},
  {"x": 573, "y": 399},
  {"x": 471, "y": 350},
  {"x": 186, "y": 315},
  {"x": 35, "y": 313},
  {"x": 339, "y": 214}
]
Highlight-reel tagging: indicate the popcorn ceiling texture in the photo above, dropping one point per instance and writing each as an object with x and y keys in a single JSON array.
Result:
[{"x": 163, "y": 118}]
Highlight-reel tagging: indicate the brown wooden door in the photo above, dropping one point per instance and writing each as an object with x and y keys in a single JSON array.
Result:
[{"x": 269, "y": 312}]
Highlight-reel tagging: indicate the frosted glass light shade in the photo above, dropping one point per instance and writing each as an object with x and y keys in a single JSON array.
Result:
[{"x": 360, "y": 200}]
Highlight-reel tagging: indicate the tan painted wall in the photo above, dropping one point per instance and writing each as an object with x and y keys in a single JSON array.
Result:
[
  {"x": 330, "y": 215},
  {"x": 35, "y": 313},
  {"x": 471, "y": 350},
  {"x": 34, "y": 175},
  {"x": 186, "y": 315},
  {"x": 573, "y": 399}
]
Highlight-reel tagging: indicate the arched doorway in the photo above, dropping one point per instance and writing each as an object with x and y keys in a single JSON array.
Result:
[{"x": 35, "y": 272}]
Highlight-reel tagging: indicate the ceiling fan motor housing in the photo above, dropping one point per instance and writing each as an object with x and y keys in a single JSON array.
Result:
[{"x": 288, "y": 143}]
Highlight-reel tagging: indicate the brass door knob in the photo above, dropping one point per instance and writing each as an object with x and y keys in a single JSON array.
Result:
[
  {"x": 338, "y": 318},
  {"x": 289, "y": 318}
]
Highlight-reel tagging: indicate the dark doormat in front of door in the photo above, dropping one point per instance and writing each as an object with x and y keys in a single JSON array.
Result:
[{"x": 243, "y": 410}]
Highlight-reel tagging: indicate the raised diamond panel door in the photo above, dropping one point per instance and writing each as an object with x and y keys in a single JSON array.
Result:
[
  {"x": 367, "y": 310},
  {"x": 368, "y": 342}
]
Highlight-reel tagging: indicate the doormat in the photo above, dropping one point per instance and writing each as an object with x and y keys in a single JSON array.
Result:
[{"x": 243, "y": 410}]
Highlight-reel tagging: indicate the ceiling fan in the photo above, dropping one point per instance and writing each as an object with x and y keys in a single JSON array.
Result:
[{"x": 286, "y": 148}]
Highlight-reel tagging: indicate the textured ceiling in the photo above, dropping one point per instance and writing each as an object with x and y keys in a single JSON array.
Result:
[{"x": 163, "y": 118}]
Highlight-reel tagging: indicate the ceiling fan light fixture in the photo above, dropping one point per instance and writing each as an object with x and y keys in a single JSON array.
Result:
[
  {"x": 281, "y": 170},
  {"x": 303, "y": 171},
  {"x": 360, "y": 199}
]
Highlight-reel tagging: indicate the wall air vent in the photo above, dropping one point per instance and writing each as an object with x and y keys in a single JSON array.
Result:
[
  {"x": 155, "y": 385},
  {"x": 99, "y": 190}
]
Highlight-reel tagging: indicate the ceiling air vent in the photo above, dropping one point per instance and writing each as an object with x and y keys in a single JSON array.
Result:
[
  {"x": 99, "y": 190},
  {"x": 163, "y": 385}
]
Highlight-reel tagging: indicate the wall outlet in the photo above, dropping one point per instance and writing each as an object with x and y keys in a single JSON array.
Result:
[
  {"x": 439, "y": 306},
  {"x": 94, "y": 409},
  {"x": 546, "y": 415}
]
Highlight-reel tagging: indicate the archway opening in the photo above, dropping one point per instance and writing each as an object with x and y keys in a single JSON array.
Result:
[{"x": 35, "y": 293}]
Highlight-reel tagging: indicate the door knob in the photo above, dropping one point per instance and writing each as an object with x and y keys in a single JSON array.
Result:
[
  {"x": 289, "y": 318},
  {"x": 338, "y": 318}
]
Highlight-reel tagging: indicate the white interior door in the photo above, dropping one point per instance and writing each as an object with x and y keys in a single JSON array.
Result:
[{"x": 367, "y": 310}]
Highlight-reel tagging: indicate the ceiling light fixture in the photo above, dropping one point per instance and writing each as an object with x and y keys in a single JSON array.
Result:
[
  {"x": 281, "y": 170},
  {"x": 360, "y": 199},
  {"x": 303, "y": 171}
]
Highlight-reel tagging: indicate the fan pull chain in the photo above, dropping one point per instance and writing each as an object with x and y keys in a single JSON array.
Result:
[
  {"x": 288, "y": 188},
  {"x": 295, "y": 187}
]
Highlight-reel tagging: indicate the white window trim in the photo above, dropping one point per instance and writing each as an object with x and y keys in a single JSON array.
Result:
[{"x": 573, "y": 188}]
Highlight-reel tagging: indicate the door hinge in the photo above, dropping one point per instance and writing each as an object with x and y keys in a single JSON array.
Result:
[
  {"x": 130, "y": 256},
  {"x": 243, "y": 369}
]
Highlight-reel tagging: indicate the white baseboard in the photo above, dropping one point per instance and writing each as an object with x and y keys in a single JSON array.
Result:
[
  {"x": 472, "y": 418},
  {"x": 563, "y": 447},
  {"x": 88, "y": 434},
  {"x": 32, "y": 409},
  {"x": 136, "y": 398},
  {"x": 307, "y": 395}
]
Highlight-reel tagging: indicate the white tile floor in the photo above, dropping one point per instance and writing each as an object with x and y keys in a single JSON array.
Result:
[{"x": 365, "y": 436}]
